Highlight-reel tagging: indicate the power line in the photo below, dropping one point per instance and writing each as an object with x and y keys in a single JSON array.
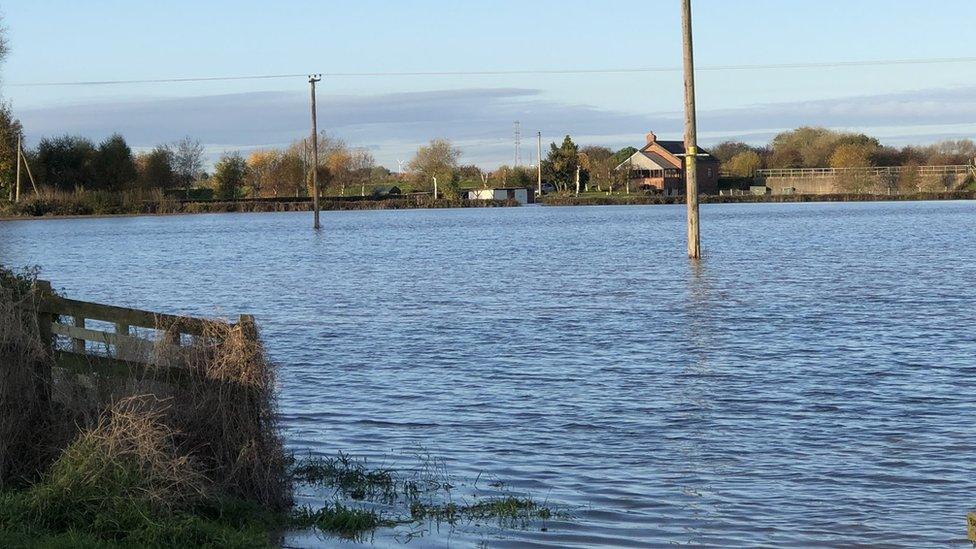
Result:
[
  {"x": 155, "y": 80},
  {"x": 528, "y": 72}
]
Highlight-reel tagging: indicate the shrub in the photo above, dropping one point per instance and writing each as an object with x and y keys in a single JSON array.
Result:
[
  {"x": 118, "y": 473},
  {"x": 25, "y": 413}
]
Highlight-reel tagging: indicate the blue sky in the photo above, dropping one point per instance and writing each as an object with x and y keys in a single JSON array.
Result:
[{"x": 121, "y": 40}]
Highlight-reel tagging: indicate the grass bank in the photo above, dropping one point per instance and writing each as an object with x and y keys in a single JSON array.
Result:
[
  {"x": 100, "y": 203},
  {"x": 644, "y": 199},
  {"x": 136, "y": 459}
]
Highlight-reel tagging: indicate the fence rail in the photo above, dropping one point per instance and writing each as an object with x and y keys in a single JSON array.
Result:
[
  {"x": 875, "y": 170},
  {"x": 123, "y": 351}
]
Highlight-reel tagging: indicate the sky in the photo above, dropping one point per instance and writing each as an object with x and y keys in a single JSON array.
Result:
[{"x": 98, "y": 40}]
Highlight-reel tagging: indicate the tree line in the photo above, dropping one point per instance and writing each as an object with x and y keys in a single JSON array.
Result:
[
  {"x": 68, "y": 163},
  {"x": 594, "y": 166},
  {"x": 810, "y": 147}
]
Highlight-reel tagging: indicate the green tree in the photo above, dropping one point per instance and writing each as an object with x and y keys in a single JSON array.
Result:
[
  {"x": 785, "y": 158},
  {"x": 470, "y": 175},
  {"x": 114, "y": 167},
  {"x": 727, "y": 150},
  {"x": 155, "y": 168},
  {"x": 622, "y": 155},
  {"x": 66, "y": 162},
  {"x": 559, "y": 167},
  {"x": 744, "y": 164},
  {"x": 510, "y": 176},
  {"x": 853, "y": 155},
  {"x": 814, "y": 145},
  {"x": 292, "y": 173},
  {"x": 10, "y": 129},
  {"x": 10, "y": 132},
  {"x": 230, "y": 174}
]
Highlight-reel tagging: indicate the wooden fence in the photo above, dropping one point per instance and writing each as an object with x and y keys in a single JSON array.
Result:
[
  {"x": 873, "y": 170},
  {"x": 122, "y": 351}
]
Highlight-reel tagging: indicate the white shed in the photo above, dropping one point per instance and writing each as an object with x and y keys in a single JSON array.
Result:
[{"x": 519, "y": 194}]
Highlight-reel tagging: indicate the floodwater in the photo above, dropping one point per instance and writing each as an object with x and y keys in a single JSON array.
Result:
[{"x": 809, "y": 383}]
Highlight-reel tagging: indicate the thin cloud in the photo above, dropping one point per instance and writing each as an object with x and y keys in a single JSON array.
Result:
[{"x": 479, "y": 120}]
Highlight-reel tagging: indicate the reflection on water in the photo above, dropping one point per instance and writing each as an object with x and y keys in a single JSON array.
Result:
[{"x": 804, "y": 384}]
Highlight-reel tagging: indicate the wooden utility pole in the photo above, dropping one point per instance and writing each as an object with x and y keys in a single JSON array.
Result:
[
  {"x": 538, "y": 167},
  {"x": 312, "y": 79},
  {"x": 17, "y": 196},
  {"x": 23, "y": 159},
  {"x": 691, "y": 135}
]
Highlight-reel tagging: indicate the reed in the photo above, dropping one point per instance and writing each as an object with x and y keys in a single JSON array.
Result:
[{"x": 82, "y": 202}]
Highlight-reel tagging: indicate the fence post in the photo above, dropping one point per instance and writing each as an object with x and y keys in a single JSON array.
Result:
[
  {"x": 78, "y": 345},
  {"x": 43, "y": 292}
]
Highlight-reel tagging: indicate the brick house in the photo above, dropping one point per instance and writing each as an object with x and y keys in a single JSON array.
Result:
[{"x": 659, "y": 167}]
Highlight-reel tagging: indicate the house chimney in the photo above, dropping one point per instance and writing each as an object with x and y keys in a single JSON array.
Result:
[{"x": 651, "y": 138}]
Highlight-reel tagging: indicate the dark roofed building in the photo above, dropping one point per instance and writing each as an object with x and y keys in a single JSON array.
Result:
[
  {"x": 383, "y": 191},
  {"x": 659, "y": 166}
]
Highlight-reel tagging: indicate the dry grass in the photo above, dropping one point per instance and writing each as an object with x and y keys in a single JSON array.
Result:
[
  {"x": 26, "y": 435},
  {"x": 126, "y": 480},
  {"x": 130, "y": 455},
  {"x": 218, "y": 412},
  {"x": 85, "y": 202},
  {"x": 227, "y": 413}
]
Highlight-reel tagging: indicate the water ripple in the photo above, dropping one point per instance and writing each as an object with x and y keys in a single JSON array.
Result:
[{"x": 806, "y": 385}]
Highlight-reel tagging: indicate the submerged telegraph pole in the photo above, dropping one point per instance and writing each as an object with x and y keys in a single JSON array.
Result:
[
  {"x": 312, "y": 79},
  {"x": 17, "y": 199},
  {"x": 691, "y": 135},
  {"x": 538, "y": 165}
]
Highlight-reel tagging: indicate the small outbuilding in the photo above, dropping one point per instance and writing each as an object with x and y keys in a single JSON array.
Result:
[
  {"x": 384, "y": 191},
  {"x": 519, "y": 194}
]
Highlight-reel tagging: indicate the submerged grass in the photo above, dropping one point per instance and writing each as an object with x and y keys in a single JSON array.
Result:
[
  {"x": 338, "y": 519},
  {"x": 424, "y": 497},
  {"x": 349, "y": 477},
  {"x": 507, "y": 510}
]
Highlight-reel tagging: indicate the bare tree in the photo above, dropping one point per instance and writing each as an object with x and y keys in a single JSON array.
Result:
[
  {"x": 437, "y": 159},
  {"x": 4, "y": 44},
  {"x": 187, "y": 160},
  {"x": 599, "y": 165},
  {"x": 362, "y": 168}
]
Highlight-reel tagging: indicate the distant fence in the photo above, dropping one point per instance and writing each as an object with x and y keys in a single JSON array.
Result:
[
  {"x": 871, "y": 171},
  {"x": 119, "y": 341},
  {"x": 870, "y": 179},
  {"x": 350, "y": 198}
]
